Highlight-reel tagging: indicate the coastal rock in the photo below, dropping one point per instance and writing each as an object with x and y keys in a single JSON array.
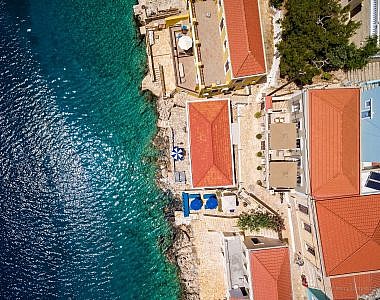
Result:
[{"x": 182, "y": 255}]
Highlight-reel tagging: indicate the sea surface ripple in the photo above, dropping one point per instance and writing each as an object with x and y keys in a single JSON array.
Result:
[{"x": 80, "y": 215}]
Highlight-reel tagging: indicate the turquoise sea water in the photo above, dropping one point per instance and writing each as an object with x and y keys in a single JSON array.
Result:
[{"x": 80, "y": 214}]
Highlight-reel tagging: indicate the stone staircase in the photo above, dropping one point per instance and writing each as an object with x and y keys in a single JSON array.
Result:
[{"x": 370, "y": 72}]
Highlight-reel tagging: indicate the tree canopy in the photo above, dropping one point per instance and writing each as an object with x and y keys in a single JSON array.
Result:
[{"x": 316, "y": 38}]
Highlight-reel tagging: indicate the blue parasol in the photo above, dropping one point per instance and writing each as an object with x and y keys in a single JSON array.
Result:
[
  {"x": 177, "y": 153},
  {"x": 211, "y": 203},
  {"x": 196, "y": 204}
]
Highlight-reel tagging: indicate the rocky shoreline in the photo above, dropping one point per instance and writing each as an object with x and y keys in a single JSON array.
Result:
[{"x": 181, "y": 251}]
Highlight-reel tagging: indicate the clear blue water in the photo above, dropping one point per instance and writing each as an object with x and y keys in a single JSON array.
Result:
[{"x": 80, "y": 215}]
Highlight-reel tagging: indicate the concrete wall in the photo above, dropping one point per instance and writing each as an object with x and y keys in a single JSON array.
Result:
[{"x": 363, "y": 16}]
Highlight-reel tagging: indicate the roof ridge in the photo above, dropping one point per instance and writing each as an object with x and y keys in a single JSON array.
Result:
[
  {"x": 270, "y": 274},
  {"x": 242, "y": 2},
  {"x": 345, "y": 221},
  {"x": 352, "y": 254},
  {"x": 204, "y": 174},
  {"x": 225, "y": 175},
  {"x": 377, "y": 228},
  {"x": 242, "y": 64}
]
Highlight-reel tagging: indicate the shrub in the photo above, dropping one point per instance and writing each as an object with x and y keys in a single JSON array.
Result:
[
  {"x": 259, "y": 168},
  {"x": 326, "y": 76},
  {"x": 259, "y": 154},
  {"x": 276, "y": 3},
  {"x": 316, "y": 39},
  {"x": 259, "y": 182},
  {"x": 257, "y": 115},
  {"x": 259, "y": 136},
  {"x": 258, "y": 219}
]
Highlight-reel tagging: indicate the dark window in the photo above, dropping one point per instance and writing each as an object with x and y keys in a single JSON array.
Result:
[
  {"x": 366, "y": 114},
  {"x": 299, "y": 180},
  {"x": 357, "y": 9},
  {"x": 303, "y": 209},
  {"x": 227, "y": 66},
  {"x": 221, "y": 25},
  {"x": 298, "y": 124},
  {"x": 298, "y": 143},
  {"x": 256, "y": 241},
  {"x": 307, "y": 227},
  {"x": 299, "y": 163},
  {"x": 310, "y": 249}
]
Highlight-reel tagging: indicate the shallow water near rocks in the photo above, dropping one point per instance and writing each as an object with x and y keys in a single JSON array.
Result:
[{"x": 80, "y": 213}]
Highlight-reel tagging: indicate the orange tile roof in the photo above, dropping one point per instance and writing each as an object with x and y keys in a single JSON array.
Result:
[
  {"x": 270, "y": 269},
  {"x": 351, "y": 287},
  {"x": 210, "y": 143},
  {"x": 334, "y": 142},
  {"x": 349, "y": 230},
  {"x": 244, "y": 37}
]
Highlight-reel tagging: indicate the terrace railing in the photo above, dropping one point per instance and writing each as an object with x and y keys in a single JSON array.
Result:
[{"x": 197, "y": 46}]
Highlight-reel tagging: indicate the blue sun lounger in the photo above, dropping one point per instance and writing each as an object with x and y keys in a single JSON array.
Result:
[{"x": 185, "y": 203}]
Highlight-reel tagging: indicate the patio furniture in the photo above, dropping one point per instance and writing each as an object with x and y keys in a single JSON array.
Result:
[
  {"x": 196, "y": 204},
  {"x": 181, "y": 70},
  {"x": 229, "y": 203},
  {"x": 206, "y": 196},
  {"x": 211, "y": 203},
  {"x": 177, "y": 153},
  {"x": 180, "y": 176},
  {"x": 185, "y": 42},
  {"x": 185, "y": 204}
]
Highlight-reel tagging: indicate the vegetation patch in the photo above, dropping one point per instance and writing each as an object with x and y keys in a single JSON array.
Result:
[
  {"x": 315, "y": 39},
  {"x": 256, "y": 220}
]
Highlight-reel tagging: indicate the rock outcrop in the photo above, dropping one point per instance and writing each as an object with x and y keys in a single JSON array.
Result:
[{"x": 181, "y": 254}]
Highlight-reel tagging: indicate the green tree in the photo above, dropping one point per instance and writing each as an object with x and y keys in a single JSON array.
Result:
[
  {"x": 316, "y": 39},
  {"x": 257, "y": 219}
]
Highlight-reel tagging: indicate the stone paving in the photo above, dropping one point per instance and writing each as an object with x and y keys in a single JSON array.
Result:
[{"x": 207, "y": 246}]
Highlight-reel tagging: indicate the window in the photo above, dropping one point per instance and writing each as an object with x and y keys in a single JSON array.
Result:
[
  {"x": 295, "y": 106},
  {"x": 298, "y": 143},
  {"x": 304, "y": 209},
  {"x": 225, "y": 44},
  {"x": 221, "y": 25},
  {"x": 357, "y": 9},
  {"x": 299, "y": 162},
  {"x": 227, "y": 66},
  {"x": 299, "y": 124},
  {"x": 367, "y": 111},
  {"x": 299, "y": 180},
  {"x": 366, "y": 114},
  {"x": 307, "y": 227},
  {"x": 310, "y": 249}
]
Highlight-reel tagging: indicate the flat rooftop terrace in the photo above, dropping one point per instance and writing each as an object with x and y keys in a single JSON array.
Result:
[{"x": 211, "y": 45}]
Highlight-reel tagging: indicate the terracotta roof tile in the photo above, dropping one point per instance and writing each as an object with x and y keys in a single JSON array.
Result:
[
  {"x": 350, "y": 287},
  {"x": 210, "y": 143},
  {"x": 244, "y": 37},
  {"x": 270, "y": 270},
  {"x": 349, "y": 231},
  {"x": 334, "y": 142}
]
